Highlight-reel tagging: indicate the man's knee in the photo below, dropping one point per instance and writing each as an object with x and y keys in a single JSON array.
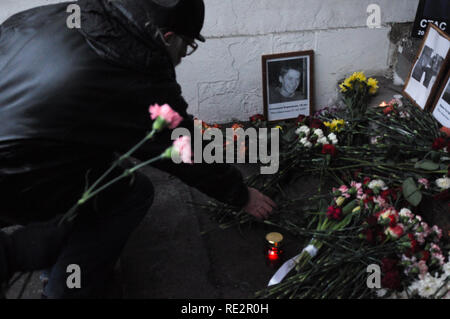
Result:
[{"x": 143, "y": 188}]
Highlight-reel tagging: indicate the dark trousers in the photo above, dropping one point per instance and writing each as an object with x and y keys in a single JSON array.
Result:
[{"x": 99, "y": 234}]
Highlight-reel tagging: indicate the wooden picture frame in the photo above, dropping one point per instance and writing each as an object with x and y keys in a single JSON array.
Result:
[
  {"x": 428, "y": 68},
  {"x": 441, "y": 106},
  {"x": 288, "y": 85}
]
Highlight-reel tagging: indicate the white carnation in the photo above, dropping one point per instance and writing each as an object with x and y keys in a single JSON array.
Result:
[
  {"x": 322, "y": 140},
  {"x": 333, "y": 138},
  {"x": 446, "y": 268},
  {"x": 303, "y": 129},
  {"x": 426, "y": 287},
  {"x": 377, "y": 183},
  {"x": 381, "y": 293},
  {"x": 318, "y": 132},
  {"x": 443, "y": 183},
  {"x": 304, "y": 140},
  {"x": 405, "y": 212}
]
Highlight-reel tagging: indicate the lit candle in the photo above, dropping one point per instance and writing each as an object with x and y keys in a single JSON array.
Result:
[
  {"x": 383, "y": 104},
  {"x": 274, "y": 241}
]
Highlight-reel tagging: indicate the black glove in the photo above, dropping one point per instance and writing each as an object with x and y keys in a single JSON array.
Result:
[{"x": 36, "y": 246}]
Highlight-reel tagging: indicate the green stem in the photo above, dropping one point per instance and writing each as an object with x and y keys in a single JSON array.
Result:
[
  {"x": 70, "y": 215},
  {"x": 120, "y": 159}
]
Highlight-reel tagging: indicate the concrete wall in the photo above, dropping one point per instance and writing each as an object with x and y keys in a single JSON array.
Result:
[{"x": 222, "y": 81}]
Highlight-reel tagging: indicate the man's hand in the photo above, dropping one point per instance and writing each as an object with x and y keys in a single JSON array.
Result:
[{"x": 258, "y": 204}]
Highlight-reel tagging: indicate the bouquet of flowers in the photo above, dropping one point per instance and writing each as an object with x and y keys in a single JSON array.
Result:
[
  {"x": 163, "y": 117},
  {"x": 362, "y": 226}
]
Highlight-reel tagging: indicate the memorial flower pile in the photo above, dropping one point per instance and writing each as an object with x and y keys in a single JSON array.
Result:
[
  {"x": 388, "y": 174},
  {"x": 366, "y": 223}
]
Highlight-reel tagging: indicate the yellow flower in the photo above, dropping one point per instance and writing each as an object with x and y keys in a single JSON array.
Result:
[
  {"x": 373, "y": 84},
  {"x": 279, "y": 127},
  {"x": 335, "y": 125},
  {"x": 347, "y": 84},
  {"x": 339, "y": 125},
  {"x": 356, "y": 209},
  {"x": 359, "y": 76},
  {"x": 340, "y": 200}
]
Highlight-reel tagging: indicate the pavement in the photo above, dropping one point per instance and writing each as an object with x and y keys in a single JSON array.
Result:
[{"x": 168, "y": 257}]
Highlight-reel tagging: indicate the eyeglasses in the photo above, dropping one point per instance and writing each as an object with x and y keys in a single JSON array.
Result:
[
  {"x": 191, "y": 48},
  {"x": 191, "y": 45}
]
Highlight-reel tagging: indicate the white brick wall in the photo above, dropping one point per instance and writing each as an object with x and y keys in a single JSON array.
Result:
[{"x": 222, "y": 80}]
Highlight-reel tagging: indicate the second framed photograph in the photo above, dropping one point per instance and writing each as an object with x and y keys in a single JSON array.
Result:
[
  {"x": 441, "y": 108},
  {"x": 288, "y": 85},
  {"x": 429, "y": 68}
]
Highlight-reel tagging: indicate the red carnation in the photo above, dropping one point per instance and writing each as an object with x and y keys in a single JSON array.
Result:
[
  {"x": 329, "y": 149},
  {"x": 425, "y": 255},
  {"x": 438, "y": 143},
  {"x": 388, "y": 109},
  {"x": 389, "y": 192},
  {"x": 413, "y": 243},
  {"x": 391, "y": 280},
  {"x": 300, "y": 119},
  {"x": 388, "y": 264},
  {"x": 257, "y": 117},
  {"x": 366, "y": 180},
  {"x": 334, "y": 213},
  {"x": 316, "y": 123},
  {"x": 370, "y": 236}
]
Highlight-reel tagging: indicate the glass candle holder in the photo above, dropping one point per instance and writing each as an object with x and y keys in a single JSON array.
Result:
[{"x": 273, "y": 249}]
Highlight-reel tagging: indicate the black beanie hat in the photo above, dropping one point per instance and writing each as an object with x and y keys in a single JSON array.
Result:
[{"x": 185, "y": 17}]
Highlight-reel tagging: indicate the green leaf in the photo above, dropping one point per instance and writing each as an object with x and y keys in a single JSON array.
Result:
[
  {"x": 290, "y": 135},
  {"x": 427, "y": 165},
  {"x": 411, "y": 192},
  {"x": 350, "y": 206}
]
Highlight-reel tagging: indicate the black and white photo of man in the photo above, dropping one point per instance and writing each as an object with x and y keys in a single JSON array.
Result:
[{"x": 287, "y": 81}]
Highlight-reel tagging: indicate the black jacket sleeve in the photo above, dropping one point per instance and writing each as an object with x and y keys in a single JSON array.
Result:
[{"x": 221, "y": 181}]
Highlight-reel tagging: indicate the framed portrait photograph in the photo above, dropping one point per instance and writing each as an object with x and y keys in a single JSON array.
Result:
[
  {"x": 428, "y": 68},
  {"x": 287, "y": 85},
  {"x": 441, "y": 108}
]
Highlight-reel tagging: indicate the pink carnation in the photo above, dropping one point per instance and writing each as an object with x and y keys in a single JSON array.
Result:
[
  {"x": 380, "y": 201},
  {"x": 437, "y": 231},
  {"x": 182, "y": 146},
  {"x": 172, "y": 118},
  {"x": 424, "y": 182},
  {"x": 439, "y": 257}
]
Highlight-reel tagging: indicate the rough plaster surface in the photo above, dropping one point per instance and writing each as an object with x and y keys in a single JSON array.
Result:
[{"x": 222, "y": 82}]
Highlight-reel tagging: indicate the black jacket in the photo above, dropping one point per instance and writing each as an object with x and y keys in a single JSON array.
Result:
[{"x": 71, "y": 98}]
